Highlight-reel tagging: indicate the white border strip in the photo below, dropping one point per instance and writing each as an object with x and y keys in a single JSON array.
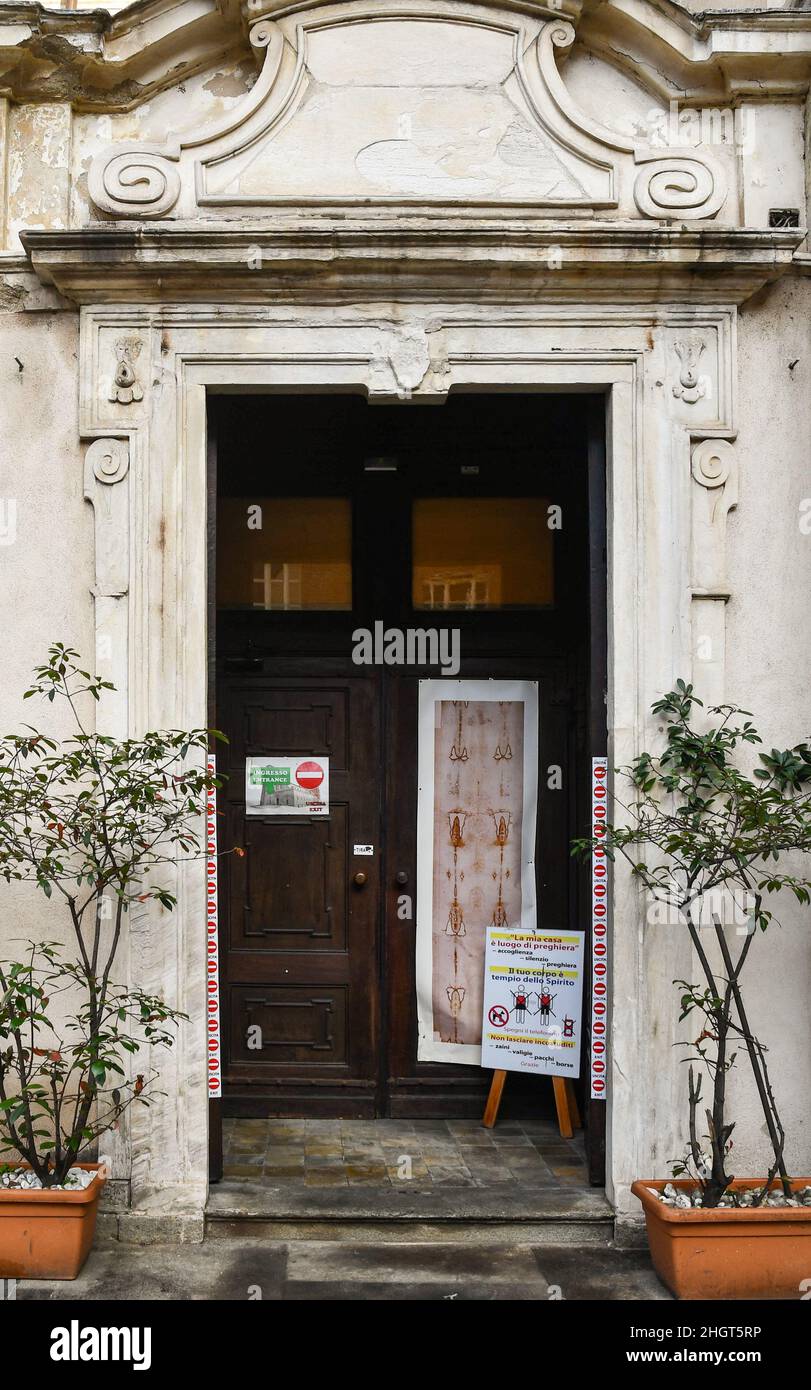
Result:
[
  {"x": 213, "y": 1049},
  {"x": 431, "y": 692},
  {"x": 599, "y": 933}
]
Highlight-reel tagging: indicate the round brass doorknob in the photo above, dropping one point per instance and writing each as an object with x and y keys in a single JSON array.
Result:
[{"x": 359, "y": 879}]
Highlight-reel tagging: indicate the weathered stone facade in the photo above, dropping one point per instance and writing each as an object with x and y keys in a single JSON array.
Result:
[{"x": 403, "y": 198}]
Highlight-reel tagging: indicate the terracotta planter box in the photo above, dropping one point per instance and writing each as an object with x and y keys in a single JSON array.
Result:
[
  {"x": 728, "y": 1252},
  {"x": 47, "y": 1235}
]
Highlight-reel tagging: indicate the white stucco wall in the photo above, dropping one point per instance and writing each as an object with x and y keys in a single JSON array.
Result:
[
  {"x": 769, "y": 673},
  {"x": 46, "y": 574}
]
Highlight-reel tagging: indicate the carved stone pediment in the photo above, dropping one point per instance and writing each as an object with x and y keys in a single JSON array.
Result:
[
  {"x": 452, "y": 107},
  {"x": 445, "y": 105}
]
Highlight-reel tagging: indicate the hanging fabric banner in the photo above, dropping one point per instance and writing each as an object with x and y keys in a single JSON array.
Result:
[{"x": 476, "y": 818}]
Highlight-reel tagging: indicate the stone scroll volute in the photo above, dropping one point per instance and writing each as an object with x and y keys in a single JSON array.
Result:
[
  {"x": 714, "y": 469},
  {"x": 106, "y": 468}
]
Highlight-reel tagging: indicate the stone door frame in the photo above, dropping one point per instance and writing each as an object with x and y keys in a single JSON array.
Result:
[{"x": 668, "y": 376}]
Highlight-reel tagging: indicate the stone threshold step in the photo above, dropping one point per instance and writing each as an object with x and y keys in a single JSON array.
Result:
[
  {"x": 592, "y": 1232},
  {"x": 444, "y": 1201},
  {"x": 233, "y": 1202}
]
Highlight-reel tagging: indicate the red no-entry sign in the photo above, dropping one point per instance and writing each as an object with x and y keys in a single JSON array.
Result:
[{"x": 309, "y": 775}]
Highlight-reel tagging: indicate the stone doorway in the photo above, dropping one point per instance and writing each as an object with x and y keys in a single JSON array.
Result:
[{"x": 366, "y": 1178}]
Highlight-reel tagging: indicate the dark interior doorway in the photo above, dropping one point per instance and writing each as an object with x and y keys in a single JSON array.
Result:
[{"x": 413, "y": 517}]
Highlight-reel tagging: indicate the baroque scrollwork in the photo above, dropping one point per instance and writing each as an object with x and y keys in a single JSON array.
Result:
[
  {"x": 134, "y": 181},
  {"x": 559, "y": 34},
  {"x": 690, "y": 387},
  {"x": 107, "y": 465},
  {"x": 679, "y": 185},
  {"x": 542, "y": 150},
  {"x": 713, "y": 464},
  {"x": 126, "y": 387},
  {"x": 263, "y": 33},
  {"x": 109, "y": 460}
]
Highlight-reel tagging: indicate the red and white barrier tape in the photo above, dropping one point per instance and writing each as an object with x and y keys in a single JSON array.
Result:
[
  {"x": 213, "y": 1052},
  {"x": 599, "y": 933}
]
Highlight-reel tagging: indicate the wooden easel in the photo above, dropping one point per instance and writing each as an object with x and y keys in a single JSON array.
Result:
[{"x": 565, "y": 1103}]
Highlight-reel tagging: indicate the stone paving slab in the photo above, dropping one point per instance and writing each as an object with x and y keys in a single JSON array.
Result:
[
  {"x": 323, "y": 1271},
  {"x": 403, "y": 1153}
]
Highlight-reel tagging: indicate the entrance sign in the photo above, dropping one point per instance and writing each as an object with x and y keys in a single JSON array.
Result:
[
  {"x": 533, "y": 998},
  {"x": 476, "y": 816},
  {"x": 286, "y": 786}
]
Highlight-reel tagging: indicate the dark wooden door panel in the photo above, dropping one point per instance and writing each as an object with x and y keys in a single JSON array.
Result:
[
  {"x": 295, "y": 721},
  {"x": 283, "y": 907},
  {"x": 300, "y": 938},
  {"x": 301, "y": 1025}
]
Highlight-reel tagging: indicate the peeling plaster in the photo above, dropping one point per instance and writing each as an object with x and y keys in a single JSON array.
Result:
[
  {"x": 38, "y": 166},
  {"x": 232, "y": 84},
  {"x": 12, "y": 296},
  {"x": 51, "y": 68}
]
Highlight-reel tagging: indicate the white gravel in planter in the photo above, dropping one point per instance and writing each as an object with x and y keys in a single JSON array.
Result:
[
  {"x": 670, "y": 1196},
  {"x": 23, "y": 1179}
]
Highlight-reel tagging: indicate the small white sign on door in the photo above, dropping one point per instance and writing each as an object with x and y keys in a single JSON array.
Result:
[
  {"x": 533, "y": 993},
  {"x": 281, "y": 786}
]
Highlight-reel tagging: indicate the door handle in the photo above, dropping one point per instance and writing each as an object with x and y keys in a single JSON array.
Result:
[
  {"x": 401, "y": 878},
  {"x": 359, "y": 879}
]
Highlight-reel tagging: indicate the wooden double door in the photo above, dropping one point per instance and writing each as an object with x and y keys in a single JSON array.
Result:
[{"x": 318, "y": 915}]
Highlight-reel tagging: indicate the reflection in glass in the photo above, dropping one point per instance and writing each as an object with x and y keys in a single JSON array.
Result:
[
  {"x": 482, "y": 552},
  {"x": 284, "y": 553}
]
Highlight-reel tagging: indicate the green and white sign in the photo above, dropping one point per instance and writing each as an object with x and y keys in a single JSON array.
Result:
[
  {"x": 269, "y": 776},
  {"x": 287, "y": 786}
]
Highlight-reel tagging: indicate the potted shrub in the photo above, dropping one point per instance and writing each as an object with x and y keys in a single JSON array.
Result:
[
  {"x": 90, "y": 820},
  {"x": 699, "y": 834}
]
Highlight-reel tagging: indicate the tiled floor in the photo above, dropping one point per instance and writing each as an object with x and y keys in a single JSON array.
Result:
[{"x": 383, "y": 1154}]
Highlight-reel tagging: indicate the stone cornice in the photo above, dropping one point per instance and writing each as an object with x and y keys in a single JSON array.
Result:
[
  {"x": 408, "y": 257},
  {"x": 717, "y": 56},
  {"x": 102, "y": 62}
]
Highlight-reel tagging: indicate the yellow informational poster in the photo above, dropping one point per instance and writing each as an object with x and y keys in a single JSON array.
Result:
[{"x": 533, "y": 994}]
